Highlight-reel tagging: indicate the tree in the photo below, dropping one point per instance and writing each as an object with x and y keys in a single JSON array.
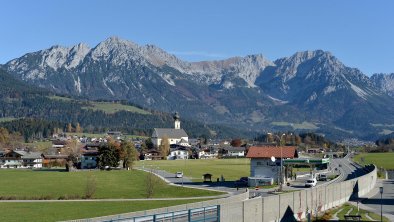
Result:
[
  {"x": 164, "y": 147},
  {"x": 72, "y": 150},
  {"x": 15, "y": 140},
  {"x": 91, "y": 185},
  {"x": 150, "y": 184},
  {"x": 297, "y": 140},
  {"x": 4, "y": 137},
  {"x": 78, "y": 128},
  {"x": 236, "y": 142},
  {"x": 69, "y": 128},
  {"x": 129, "y": 154},
  {"x": 109, "y": 155},
  {"x": 149, "y": 143},
  {"x": 270, "y": 138}
]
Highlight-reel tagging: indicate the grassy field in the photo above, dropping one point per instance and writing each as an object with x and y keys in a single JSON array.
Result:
[
  {"x": 60, "y": 98},
  {"x": 76, "y": 210},
  {"x": 40, "y": 146},
  {"x": 7, "y": 119},
  {"x": 303, "y": 125},
  {"x": 111, "y": 108},
  {"x": 231, "y": 169},
  {"x": 107, "y": 107},
  {"x": 348, "y": 209},
  {"x": 384, "y": 160},
  {"x": 27, "y": 184}
]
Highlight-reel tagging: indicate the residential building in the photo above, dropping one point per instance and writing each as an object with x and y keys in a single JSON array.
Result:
[
  {"x": 50, "y": 160},
  {"x": 152, "y": 155},
  {"x": 89, "y": 156},
  {"x": 20, "y": 159},
  {"x": 265, "y": 163},
  {"x": 178, "y": 154},
  {"x": 233, "y": 151},
  {"x": 208, "y": 153}
]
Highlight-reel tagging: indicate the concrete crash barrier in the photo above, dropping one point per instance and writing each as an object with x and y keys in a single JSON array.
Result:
[{"x": 292, "y": 206}]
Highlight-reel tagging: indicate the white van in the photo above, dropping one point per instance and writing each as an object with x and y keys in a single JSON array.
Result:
[{"x": 311, "y": 182}]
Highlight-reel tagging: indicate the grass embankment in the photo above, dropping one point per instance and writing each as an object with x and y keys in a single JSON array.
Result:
[
  {"x": 27, "y": 184},
  {"x": 231, "y": 169},
  {"x": 384, "y": 160},
  {"x": 76, "y": 210},
  {"x": 348, "y": 209}
]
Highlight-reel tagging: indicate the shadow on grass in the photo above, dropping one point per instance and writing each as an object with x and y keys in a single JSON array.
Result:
[
  {"x": 50, "y": 170},
  {"x": 229, "y": 184}
]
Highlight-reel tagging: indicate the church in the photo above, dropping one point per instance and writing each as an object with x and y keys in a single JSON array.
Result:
[{"x": 175, "y": 135}]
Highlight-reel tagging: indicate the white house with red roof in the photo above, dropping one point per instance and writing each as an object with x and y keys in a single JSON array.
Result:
[{"x": 265, "y": 163}]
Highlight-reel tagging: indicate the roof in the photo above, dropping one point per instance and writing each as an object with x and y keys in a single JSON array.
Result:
[
  {"x": 169, "y": 132},
  {"x": 55, "y": 156},
  {"x": 275, "y": 151},
  {"x": 32, "y": 155},
  {"x": 237, "y": 149}
]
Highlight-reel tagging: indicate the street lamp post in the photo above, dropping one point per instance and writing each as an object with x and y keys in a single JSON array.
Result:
[
  {"x": 381, "y": 203},
  {"x": 280, "y": 181}
]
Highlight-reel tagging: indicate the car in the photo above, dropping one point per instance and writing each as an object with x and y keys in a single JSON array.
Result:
[
  {"x": 178, "y": 174},
  {"x": 311, "y": 182},
  {"x": 322, "y": 177},
  {"x": 242, "y": 182}
]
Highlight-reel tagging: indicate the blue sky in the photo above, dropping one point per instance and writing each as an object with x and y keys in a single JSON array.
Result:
[{"x": 359, "y": 33}]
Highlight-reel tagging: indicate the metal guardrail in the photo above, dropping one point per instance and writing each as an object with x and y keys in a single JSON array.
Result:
[{"x": 204, "y": 214}]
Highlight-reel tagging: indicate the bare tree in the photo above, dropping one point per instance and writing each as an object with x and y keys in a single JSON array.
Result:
[
  {"x": 73, "y": 151},
  {"x": 91, "y": 186},
  {"x": 150, "y": 184}
]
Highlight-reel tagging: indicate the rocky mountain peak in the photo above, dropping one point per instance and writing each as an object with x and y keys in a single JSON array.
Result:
[{"x": 384, "y": 82}]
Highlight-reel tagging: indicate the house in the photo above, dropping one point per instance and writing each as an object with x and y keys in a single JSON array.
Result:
[
  {"x": 89, "y": 159},
  {"x": 175, "y": 135},
  {"x": 20, "y": 159},
  {"x": 152, "y": 155},
  {"x": 233, "y": 151},
  {"x": 89, "y": 156},
  {"x": 265, "y": 163},
  {"x": 50, "y": 160},
  {"x": 208, "y": 153},
  {"x": 178, "y": 154},
  {"x": 32, "y": 160}
]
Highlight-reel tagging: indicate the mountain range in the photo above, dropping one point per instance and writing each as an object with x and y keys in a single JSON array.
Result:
[{"x": 308, "y": 91}]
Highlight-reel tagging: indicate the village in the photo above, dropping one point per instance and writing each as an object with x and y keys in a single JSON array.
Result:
[{"x": 270, "y": 163}]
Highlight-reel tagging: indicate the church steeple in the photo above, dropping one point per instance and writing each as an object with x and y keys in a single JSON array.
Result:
[{"x": 177, "y": 120}]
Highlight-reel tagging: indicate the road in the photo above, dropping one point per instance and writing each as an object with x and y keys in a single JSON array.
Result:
[
  {"x": 373, "y": 201},
  {"x": 347, "y": 167},
  {"x": 344, "y": 166},
  {"x": 227, "y": 186}
]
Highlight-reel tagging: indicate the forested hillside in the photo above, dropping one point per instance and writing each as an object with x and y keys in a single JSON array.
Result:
[{"x": 35, "y": 112}]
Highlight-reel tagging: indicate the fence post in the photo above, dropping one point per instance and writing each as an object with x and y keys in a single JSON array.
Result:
[
  {"x": 204, "y": 213},
  {"x": 189, "y": 215},
  {"x": 218, "y": 213}
]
